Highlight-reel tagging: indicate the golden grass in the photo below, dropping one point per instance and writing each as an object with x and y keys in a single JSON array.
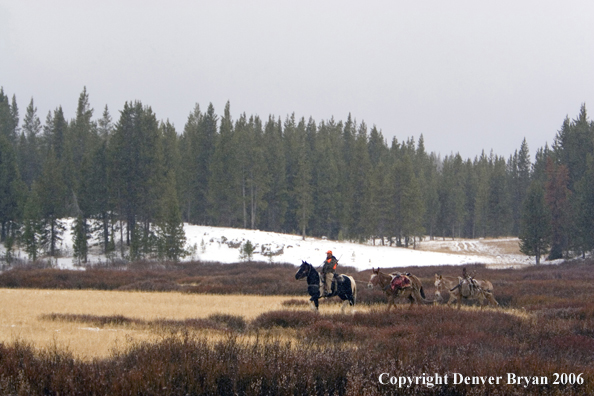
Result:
[{"x": 21, "y": 311}]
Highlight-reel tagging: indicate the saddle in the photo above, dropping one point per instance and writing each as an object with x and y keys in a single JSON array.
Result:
[
  {"x": 400, "y": 281},
  {"x": 467, "y": 286}
]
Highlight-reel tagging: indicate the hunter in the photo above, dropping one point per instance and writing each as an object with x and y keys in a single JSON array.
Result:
[{"x": 329, "y": 268}]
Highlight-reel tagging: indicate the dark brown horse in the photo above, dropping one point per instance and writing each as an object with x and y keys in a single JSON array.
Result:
[{"x": 414, "y": 292}]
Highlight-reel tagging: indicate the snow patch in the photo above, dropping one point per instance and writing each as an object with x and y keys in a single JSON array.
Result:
[{"x": 220, "y": 244}]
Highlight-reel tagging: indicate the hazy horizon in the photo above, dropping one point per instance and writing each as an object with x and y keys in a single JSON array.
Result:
[{"x": 467, "y": 76}]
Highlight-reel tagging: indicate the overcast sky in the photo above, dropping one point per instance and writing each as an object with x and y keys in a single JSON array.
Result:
[{"x": 466, "y": 74}]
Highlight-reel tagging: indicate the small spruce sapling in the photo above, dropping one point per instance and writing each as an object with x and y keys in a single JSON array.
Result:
[{"x": 247, "y": 251}]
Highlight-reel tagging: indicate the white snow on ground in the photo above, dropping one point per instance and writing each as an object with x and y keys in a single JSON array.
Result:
[{"x": 218, "y": 244}]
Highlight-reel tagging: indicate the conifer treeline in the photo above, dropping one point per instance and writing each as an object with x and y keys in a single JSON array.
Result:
[{"x": 136, "y": 179}]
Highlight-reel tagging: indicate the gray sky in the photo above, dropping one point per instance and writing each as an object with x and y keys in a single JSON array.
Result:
[{"x": 468, "y": 75}]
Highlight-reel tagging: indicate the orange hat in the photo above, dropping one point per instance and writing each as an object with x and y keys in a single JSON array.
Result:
[{"x": 329, "y": 252}]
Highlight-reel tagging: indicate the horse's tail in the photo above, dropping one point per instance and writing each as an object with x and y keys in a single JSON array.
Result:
[{"x": 417, "y": 282}]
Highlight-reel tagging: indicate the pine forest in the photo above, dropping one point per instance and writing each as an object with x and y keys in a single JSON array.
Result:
[{"x": 130, "y": 181}]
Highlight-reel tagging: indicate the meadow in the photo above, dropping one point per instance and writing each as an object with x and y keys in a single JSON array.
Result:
[{"x": 206, "y": 329}]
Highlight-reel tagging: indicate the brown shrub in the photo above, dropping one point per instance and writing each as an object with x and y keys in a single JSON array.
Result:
[
  {"x": 99, "y": 321},
  {"x": 295, "y": 303},
  {"x": 292, "y": 319},
  {"x": 333, "y": 354}
]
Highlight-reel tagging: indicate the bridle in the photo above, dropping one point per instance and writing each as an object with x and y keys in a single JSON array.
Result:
[
  {"x": 305, "y": 272},
  {"x": 377, "y": 280}
]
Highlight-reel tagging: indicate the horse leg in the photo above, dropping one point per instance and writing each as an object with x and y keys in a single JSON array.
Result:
[
  {"x": 437, "y": 298},
  {"x": 349, "y": 298},
  {"x": 452, "y": 299},
  {"x": 491, "y": 299}
]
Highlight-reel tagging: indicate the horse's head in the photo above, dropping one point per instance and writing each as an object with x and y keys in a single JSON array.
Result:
[
  {"x": 438, "y": 281},
  {"x": 373, "y": 281},
  {"x": 303, "y": 271}
]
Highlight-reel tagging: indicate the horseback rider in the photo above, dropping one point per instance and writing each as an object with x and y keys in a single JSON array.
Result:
[{"x": 329, "y": 267}]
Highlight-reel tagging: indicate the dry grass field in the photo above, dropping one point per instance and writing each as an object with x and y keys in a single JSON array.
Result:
[
  {"x": 22, "y": 316},
  {"x": 109, "y": 339}
]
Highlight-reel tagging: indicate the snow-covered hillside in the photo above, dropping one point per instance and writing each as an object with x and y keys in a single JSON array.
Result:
[{"x": 223, "y": 245}]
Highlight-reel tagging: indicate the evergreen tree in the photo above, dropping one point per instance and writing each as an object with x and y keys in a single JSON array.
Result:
[
  {"x": 584, "y": 202},
  {"x": 82, "y": 137},
  {"x": 83, "y": 140},
  {"x": 257, "y": 176},
  {"x": 521, "y": 181},
  {"x": 105, "y": 125},
  {"x": 80, "y": 234},
  {"x": 247, "y": 251},
  {"x": 96, "y": 197},
  {"x": 14, "y": 115},
  {"x": 33, "y": 228},
  {"x": 557, "y": 198},
  {"x": 248, "y": 138},
  {"x": 292, "y": 147},
  {"x": 483, "y": 168},
  {"x": 378, "y": 147},
  {"x": 224, "y": 185},
  {"x": 276, "y": 195},
  {"x": 359, "y": 166},
  {"x": 470, "y": 192},
  {"x": 56, "y": 131},
  {"x": 573, "y": 143},
  {"x": 137, "y": 173},
  {"x": 11, "y": 191},
  {"x": 375, "y": 208},
  {"x": 535, "y": 227},
  {"x": 171, "y": 235},
  {"x": 52, "y": 192},
  {"x": 349, "y": 219},
  {"x": 55, "y": 138},
  {"x": 411, "y": 206},
  {"x": 190, "y": 149},
  {"x": 499, "y": 213},
  {"x": 326, "y": 176},
  {"x": 8, "y": 119},
  {"x": 539, "y": 167},
  {"x": 451, "y": 196},
  {"x": 171, "y": 152},
  {"x": 431, "y": 196},
  {"x": 30, "y": 154},
  {"x": 197, "y": 148},
  {"x": 302, "y": 187}
]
